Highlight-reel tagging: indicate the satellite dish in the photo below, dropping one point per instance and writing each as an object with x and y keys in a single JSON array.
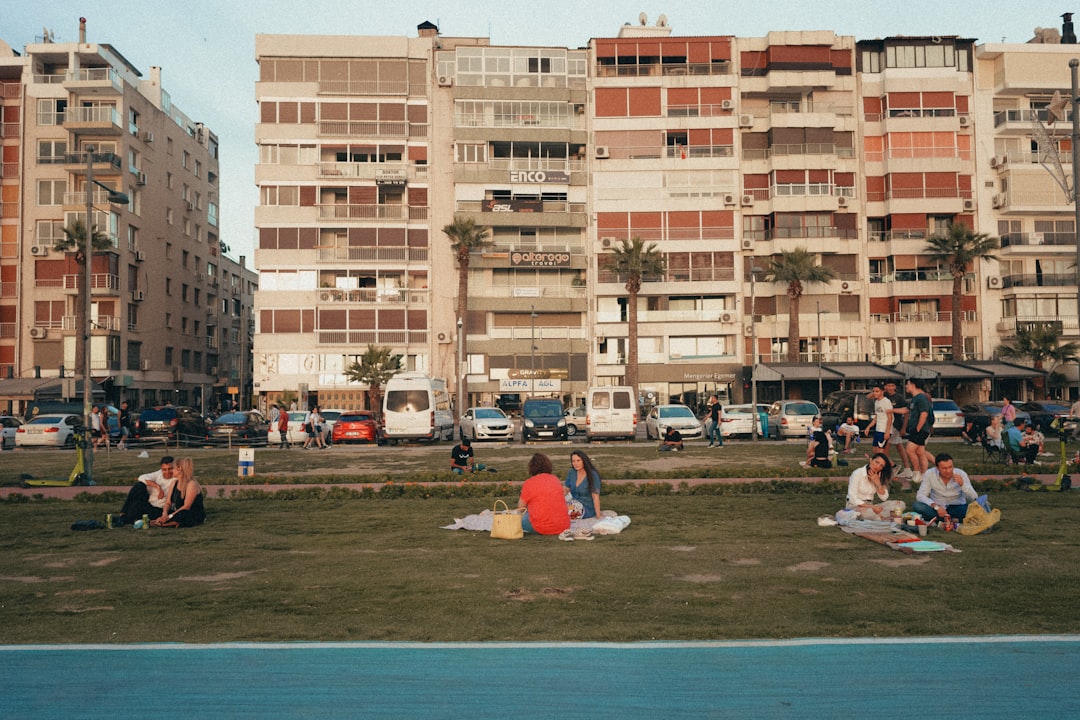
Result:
[
  {"x": 661, "y": 21},
  {"x": 643, "y": 18}
]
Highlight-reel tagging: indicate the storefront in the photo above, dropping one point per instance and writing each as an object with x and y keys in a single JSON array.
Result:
[{"x": 690, "y": 384}]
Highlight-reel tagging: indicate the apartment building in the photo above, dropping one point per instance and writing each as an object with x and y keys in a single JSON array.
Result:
[
  {"x": 722, "y": 151},
  {"x": 170, "y": 310}
]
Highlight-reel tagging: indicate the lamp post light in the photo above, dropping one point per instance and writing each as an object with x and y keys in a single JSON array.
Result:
[
  {"x": 1075, "y": 99},
  {"x": 462, "y": 402},
  {"x": 532, "y": 350},
  {"x": 82, "y": 339},
  {"x": 754, "y": 272},
  {"x": 820, "y": 348}
]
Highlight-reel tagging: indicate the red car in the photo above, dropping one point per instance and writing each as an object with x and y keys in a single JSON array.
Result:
[{"x": 356, "y": 426}]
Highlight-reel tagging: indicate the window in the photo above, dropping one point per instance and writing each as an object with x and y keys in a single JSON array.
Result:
[
  {"x": 184, "y": 292},
  {"x": 185, "y": 257},
  {"x": 49, "y": 232},
  {"x": 169, "y": 180},
  {"x": 168, "y": 286},
  {"x": 133, "y": 238},
  {"x": 133, "y": 161},
  {"x": 51, "y": 112},
  {"x": 184, "y": 326},
  {"x": 134, "y": 355},
  {"x": 51, "y": 152},
  {"x": 51, "y": 192},
  {"x": 185, "y": 159},
  {"x": 472, "y": 153},
  {"x": 198, "y": 169},
  {"x": 185, "y": 359},
  {"x": 133, "y": 121}
]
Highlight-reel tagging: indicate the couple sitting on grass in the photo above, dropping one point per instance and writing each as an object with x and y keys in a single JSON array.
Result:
[
  {"x": 168, "y": 497},
  {"x": 549, "y": 504}
]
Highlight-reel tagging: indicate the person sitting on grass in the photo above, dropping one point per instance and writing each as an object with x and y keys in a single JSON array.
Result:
[
  {"x": 147, "y": 496},
  {"x": 869, "y": 482},
  {"x": 672, "y": 441},
  {"x": 1017, "y": 444},
  {"x": 817, "y": 450},
  {"x": 186, "y": 496},
  {"x": 1034, "y": 437},
  {"x": 849, "y": 432},
  {"x": 461, "y": 457},
  {"x": 583, "y": 484},
  {"x": 945, "y": 492},
  {"x": 543, "y": 500}
]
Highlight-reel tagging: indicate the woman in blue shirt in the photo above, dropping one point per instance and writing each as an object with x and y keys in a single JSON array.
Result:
[{"x": 583, "y": 482}]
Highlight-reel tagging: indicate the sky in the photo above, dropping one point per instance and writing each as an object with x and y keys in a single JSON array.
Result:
[{"x": 206, "y": 48}]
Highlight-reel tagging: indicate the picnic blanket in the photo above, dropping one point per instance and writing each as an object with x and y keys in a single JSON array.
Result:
[
  {"x": 892, "y": 537},
  {"x": 609, "y": 523}
]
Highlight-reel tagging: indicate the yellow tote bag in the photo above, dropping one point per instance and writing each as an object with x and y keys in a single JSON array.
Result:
[{"x": 506, "y": 523}]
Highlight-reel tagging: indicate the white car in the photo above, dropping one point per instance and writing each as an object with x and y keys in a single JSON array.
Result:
[
  {"x": 59, "y": 430},
  {"x": 737, "y": 421},
  {"x": 575, "y": 420},
  {"x": 485, "y": 423},
  {"x": 679, "y": 417},
  {"x": 329, "y": 418},
  {"x": 295, "y": 434},
  {"x": 8, "y": 425}
]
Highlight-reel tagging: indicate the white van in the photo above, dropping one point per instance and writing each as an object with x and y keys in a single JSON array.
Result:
[
  {"x": 611, "y": 412},
  {"x": 417, "y": 407}
]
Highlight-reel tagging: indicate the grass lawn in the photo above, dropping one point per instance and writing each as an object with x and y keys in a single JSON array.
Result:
[{"x": 691, "y": 566}]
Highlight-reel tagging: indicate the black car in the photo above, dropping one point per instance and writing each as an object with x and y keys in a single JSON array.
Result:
[
  {"x": 509, "y": 403},
  {"x": 246, "y": 427},
  {"x": 542, "y": 419},
  {"x": 842, "y": 404},
  {"x": 980, "y": 415},
  {"x": 1043, "y": 413},
  {"x": 171, "y": 424}
]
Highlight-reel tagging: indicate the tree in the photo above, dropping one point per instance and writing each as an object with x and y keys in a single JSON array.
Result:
[
  {"x": 1040, "y": 343},
  {"x": 377, "y": 365},
  {"x": 958, "y": 249},
  {"x": 795, "y": 267},
  {"x": 634, "y": 260},
  {"x": 465, "y": 237},
  {"x": 74, "y": 241}
]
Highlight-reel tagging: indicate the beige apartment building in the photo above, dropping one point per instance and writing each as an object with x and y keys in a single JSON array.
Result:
[
  {"x": 723, "y": 151},
  {"x": 170, "y": 316}
]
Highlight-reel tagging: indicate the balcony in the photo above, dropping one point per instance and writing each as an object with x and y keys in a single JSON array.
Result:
[
  {"x": 545, "y": 291},
  {"x": 97, "y": 120},
  {"x": 97, "y": 322},
  {"x": 373, "y": 213},
  {"x": 1067, "y": 240},
  {"x": 943, "y": 316},
  {"x": 1025, "y": 280},
  {"x": 94, "y": 81},
  {"x": 538, "y": 333},
  {"x": 542, "y": 121},
  {"x": 1010, "y": 325},
  {"x": 400, "y": 296},
  {"x": 668, "y": 69},
  {"x": 104, "y": 282},
  {"x": 362, "y": 338},
  {"x": 392, "y": 255},
  {"x": 370, "y": 171},
  {"x": 799, "y": 149},
  {"x": 102, "y": 162},
  {"x": 399, "y": 129}
]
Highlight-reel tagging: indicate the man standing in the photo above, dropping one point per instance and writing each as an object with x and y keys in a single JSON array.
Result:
[
  {"x": 881, "y": 425},
  {"x": 461, "y": 457},
  {"x": 716, "y": 416},
  {"x": 898, "y": 417},
  {"x": 123, "y": 419},
  {"x": 1074, "y": 413},
  {"x": 283, "y": 429},
  {"x": 945, "y": 492},
  {"x": 918, "y": 427}
]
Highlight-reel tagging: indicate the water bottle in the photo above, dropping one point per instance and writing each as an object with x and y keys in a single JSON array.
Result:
[{"x": 146, "y": 521}]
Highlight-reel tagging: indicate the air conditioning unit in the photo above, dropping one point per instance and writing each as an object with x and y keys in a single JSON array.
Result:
[
  {"x": 746, "y": 200},
  {"x": 747, "y": 243},
  {"x": 993, "y": 282},
  {"x": 39, "y": 250},
  {"x": 602, "y": 151},
  {"x": 141, "y": 179},
  {"x": 727, "y": 317},
  {"x": 140, "y": 256},
  {"x": 746, "y": 120},
  {"x": 325, "y": 296},
  {"x": 846, "y": 288},
  {"x": 446, "y": 81},
  {"x": 145, "y": 364},
  {"x": 998, "y": 161},
  {"x": 748, "y": 329},
  {"x": 727, "y": 104},
  {"x": 39, "y": 333},
  {"x": 998, "y": 201},
  {"x": 607, "y": 242},
  {"x": 965, "y": 120},
  {"x": 138, "y": 295},
  {"x": 729, "y": 198},
  {"x": 444, "y": 338},
  {"x": 969, "y": 205},
  {"x": 841, "y": 201},
  {"x": 148, "y": 136}
]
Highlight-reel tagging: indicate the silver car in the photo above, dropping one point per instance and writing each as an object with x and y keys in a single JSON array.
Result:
[
  {"x": 948, "y": 417},
  {"x": 679, "y": 417},
  {"x": 8, "y": 425},
  {"x": 485, "y": 423},
  {"x": 737, "y": 421},
  {"x": 791, "y": 418}
]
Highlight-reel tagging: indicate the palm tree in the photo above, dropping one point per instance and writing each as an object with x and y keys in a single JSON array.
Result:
[
  {"x": 1040, "y": 343},
  {"x": 74, "y": 241},
  {"x": 634, "y": 260},
  {"x": 958, "y": 249},
  {"x": 377, "y": 365},
  {"x": 465, "y": 237},
  {"x": 795, "y": 267}
]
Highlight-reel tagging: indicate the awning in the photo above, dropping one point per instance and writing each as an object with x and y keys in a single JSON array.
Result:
[
  {"x": 1003, "y": 370},
  {"x": 24, "y": 388},
  {"x": 864, "y": 371},
  {"x": 796, "y": 371},
  {"x": 942, "y": 371}
]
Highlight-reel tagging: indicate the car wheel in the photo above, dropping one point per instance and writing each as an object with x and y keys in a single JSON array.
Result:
[
  {"x": 571, "y": 430},
  {"x": 69, "y": 443}
]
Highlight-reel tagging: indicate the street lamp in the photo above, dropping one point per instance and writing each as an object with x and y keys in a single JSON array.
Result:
[
  {"x": 820, "y": 348},
  {"x": 1073, "y": 65},
  {"x": 754, "y": 272},
  {"x": 532, "y": 350},
  {"x": 460, "y": 368},
  {"x": 83, "y": 337}
]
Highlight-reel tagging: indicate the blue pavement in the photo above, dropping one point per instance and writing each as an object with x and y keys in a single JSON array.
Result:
[{"x": 984, "y": 677}]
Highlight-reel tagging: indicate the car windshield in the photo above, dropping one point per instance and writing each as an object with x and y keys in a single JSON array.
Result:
[
  {"x": 549, "y": 409},
  {"x": 945, "y": 405},
  {"x": 231, "y": 419},
  {"x": 801, "y": 409},
  {"x": 677, "y": 411},
  {"x": 489, "y": 414},
  {"x": 407, "y": 401}
]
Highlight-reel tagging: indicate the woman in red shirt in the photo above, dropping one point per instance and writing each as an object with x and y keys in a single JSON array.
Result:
[{"x": 543, "y": 500}]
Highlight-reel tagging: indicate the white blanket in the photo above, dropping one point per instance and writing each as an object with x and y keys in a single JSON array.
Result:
[{"x": 607, "y": 524}]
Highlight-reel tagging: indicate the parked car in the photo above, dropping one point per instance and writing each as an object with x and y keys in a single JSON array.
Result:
[
  {"x": 840, "y": 405},
  {"x": 330, "y": 418},
  {"x": 356, "y": 426},
  {"x": 680, "y": 417},
  {"x": 738, "y": 421},
  {"x": 485, "y": 423},
  {"x": 980, "y": 414},
  {"x": 509, "y": 403},
  {"x": 246, "y": 427},
  {"x": 173, "y": 424},
  {"x": 575, "y": 420},
  {"x": 542, "y": 419},
  {"x": 791, "y": 418},
  {"x": 50, "y": 430},
  {"x": 295, "y": 434},
  {"x": 8, "y": 425},
  {"x": 1043, "y": 413},
  {"x": 948, "y": 417}
]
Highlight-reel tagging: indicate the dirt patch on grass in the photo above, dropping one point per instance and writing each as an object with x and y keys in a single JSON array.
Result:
[
  {"x": 682, "y": 548},
  {"x": 703, "y": 578},
  {"x": 745, "y": 561},
  {"x": 83, "y": 591},
  {"x": 33, "y": 579},
  {"x": 809, "y": 566},
  {"x": 104, "y": 561},
  {"x": 79, "y": 611},
  {"x": 554, "y": 593},
  {"x": 218, "y": 577},
  {"x": 902, "y": 561}
]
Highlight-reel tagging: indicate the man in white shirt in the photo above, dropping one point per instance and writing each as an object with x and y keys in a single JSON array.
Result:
[
  {"x": 147, "y": 495},
  {"x": 945, "y": 491},
  {"x": 881, "y": 425}
]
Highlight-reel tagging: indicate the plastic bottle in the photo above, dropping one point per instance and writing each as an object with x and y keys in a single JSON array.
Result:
[{"x": 146, "y": 521}]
